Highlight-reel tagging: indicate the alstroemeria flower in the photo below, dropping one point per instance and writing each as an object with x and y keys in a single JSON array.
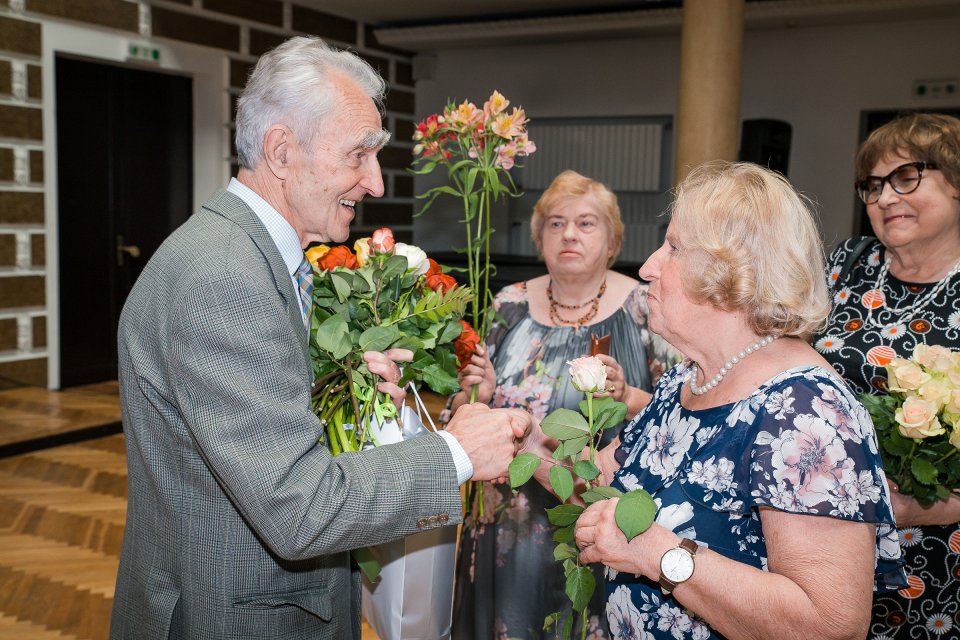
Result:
[
  {"x": 505, "y": 155},
  {"x": 465, "y": 116},
  {"x": 382, "y": 240},
  {"x": 525, "y": 146},
  {"x": 917, "y": 418},
  {"x": 588, "y": 374},
  {"x": 315, "y": 253},
  {"x": 339, "y": 256},
  {"x": 362, "y": 248},
  {"x": 416, "y": 257},
  {"x": 509, "y": 125},
  {"x": 495, "y": 104}
]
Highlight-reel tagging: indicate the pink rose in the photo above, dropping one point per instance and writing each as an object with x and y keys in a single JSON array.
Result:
[{"x": 588, "y": 374}]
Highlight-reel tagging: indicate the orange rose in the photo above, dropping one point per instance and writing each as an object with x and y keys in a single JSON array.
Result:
[
  {"x": 339, "y": 256},
  {"x": 466, "y": 345},
  {"x": 441, "y": 282},
  {"x": 434, "y": 268},
  {"x": 315, "y": 253}
]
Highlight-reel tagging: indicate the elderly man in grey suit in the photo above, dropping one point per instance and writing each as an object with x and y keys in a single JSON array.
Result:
[{"x": 239, "y": 522}]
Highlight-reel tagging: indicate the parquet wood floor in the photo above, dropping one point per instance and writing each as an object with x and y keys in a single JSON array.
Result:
[{"x": 62, "y": 511}]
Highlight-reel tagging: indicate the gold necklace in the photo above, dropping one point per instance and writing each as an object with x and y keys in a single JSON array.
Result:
[{"x": 582, "y": 320}]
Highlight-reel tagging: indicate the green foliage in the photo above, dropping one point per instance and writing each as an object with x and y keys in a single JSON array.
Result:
[{"x": 635, "y": 513}]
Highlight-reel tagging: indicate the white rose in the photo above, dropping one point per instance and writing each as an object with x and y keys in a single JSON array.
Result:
[
  {"x": 955, "y": 438},
  {"x": 416, "y": 258},
  {"x": 588, "y": 374}
]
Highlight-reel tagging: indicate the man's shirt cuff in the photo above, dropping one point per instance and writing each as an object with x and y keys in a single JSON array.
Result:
[{"x": 460, "y": 457}]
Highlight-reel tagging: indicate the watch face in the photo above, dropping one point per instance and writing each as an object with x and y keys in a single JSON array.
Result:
[{"x": 677, "y": 565}]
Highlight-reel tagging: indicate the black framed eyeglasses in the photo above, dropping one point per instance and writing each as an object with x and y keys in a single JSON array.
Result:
[{"x": 904, "y": 179}]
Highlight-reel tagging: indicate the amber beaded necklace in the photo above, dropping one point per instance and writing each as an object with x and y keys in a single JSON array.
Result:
[{"x": 582, "y": 320}]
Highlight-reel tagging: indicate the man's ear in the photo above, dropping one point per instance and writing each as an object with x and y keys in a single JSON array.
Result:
[{"x": 278, "y": 146}]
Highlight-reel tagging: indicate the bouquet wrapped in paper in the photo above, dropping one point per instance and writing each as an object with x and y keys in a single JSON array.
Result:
[{"x": 916, "y": 423}]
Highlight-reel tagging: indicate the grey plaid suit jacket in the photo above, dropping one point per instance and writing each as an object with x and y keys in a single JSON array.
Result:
[{"x": 239, "y": 522}]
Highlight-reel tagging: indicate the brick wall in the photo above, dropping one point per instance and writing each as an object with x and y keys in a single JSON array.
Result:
[{"x": 242, "y": 30}]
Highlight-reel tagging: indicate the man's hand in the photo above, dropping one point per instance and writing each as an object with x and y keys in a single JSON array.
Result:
[
  {"x": 490, "y": 437},
  {"x": 384, "y": 365}
]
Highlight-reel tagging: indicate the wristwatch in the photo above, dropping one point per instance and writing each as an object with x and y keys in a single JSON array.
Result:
[{"x": 677, "y": 565}]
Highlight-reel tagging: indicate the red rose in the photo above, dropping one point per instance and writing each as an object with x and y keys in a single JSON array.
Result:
[
  {"x": 382, "y": 240},
  {"x": 466, "y": 345},
  {"x": 339, "y": 256},
  {"x": 440, "y": 282},
  {"x": 434, "y": 268}
]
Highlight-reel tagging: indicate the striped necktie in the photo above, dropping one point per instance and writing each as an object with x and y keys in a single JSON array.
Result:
[{"x": 304, "y": 276}]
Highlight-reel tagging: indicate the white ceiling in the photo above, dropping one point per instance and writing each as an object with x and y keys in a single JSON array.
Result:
[{"x": 409, "y": 12}]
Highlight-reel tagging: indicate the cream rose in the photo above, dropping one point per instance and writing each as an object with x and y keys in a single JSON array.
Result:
[
  {"x": 416, "y": 258},
  {"x": 934, "y": 357},
  {"x": 937, "y": 392},
  {"x": 588, "y": 374},
  {"x": 362, "y": 248},
  {"x": 906, "y": 376},
  {"x": 955, "y": 438},
  {"x": 917, "y": 418}
]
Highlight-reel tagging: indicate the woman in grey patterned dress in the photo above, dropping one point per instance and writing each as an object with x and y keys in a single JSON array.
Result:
[{"x": 507, "y": 579}]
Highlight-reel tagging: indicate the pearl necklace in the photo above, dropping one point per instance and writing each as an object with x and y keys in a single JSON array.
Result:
[
  {"x": 691, "y": 376},
  {"x": 906, "y": 314}
]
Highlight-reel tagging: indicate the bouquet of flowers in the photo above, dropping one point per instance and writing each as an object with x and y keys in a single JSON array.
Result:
[
  {"x": 478, "y": 148},
  {"x": 380, "y": 296},
  {"x": 578, "y": 434},
  {"x": 916, "y": 423}
]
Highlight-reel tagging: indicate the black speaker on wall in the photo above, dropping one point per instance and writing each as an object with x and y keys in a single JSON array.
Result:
[{"x": 767, "y": 142}]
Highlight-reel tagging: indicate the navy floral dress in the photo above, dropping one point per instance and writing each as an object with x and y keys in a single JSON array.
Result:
[
  {"x": 507, "y": 580},
  {"x": 857, "y": 348},
  {"x": 801, "y": 443}
]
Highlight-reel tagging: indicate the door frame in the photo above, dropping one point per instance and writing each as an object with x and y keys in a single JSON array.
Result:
[{"x": 209, "y": 70}]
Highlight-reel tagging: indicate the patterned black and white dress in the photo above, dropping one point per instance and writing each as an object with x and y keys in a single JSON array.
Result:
[{"x": 862, "y": 335}]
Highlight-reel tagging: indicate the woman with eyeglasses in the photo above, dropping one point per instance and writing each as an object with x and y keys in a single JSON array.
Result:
[{"x": 903, "y": 289}]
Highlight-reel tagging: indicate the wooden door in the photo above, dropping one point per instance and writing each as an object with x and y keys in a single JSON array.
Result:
[{"x": 125, "y": 181}]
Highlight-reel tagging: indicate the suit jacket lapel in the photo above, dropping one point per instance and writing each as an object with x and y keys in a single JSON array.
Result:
[{"x": 236, "y": 210}]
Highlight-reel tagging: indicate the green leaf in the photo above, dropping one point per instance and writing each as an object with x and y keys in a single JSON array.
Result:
[
  {"x": 580, "y": 587},
  {"x": 561, "y": 481},
  {"x": 551, "y": 620},
  {"x": 563, "y": 534},
  {"x": 599, "y": 493},
  {"x": 378, "y": 338},
  {"x": 564, "y": 514},
  {"x": 564, "y": 424},
  {"x": 896, "y": 444},
  {"x": 586, "y": 470},
  {"x": 341, "y": 283},
  {"x": 522, "y": 469},
  {"x": 333, "y": 337},
  {"x": 367, "y": 562},
  {"x": 572, "y": 448},
  {"x": 635, "y": 513},
  {"x": 923, "y": 471},
  {"x": 563, "y": 551}
]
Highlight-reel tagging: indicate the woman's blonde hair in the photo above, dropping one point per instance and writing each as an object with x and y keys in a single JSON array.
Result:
[
  {"x": 569, "y": 185},
  {"x": 750, "y": 244}
]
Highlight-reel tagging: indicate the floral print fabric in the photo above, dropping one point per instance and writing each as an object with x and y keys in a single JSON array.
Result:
[
  {"x": 801, "y": 443},
  {"x": 507, "y": 579},
  {"x": 929, "y": 609}
]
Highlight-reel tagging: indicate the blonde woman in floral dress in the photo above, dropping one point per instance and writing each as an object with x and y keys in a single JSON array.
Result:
[
  {"x": 507, "y": 579},
  {"x": 903, "y": 289}
]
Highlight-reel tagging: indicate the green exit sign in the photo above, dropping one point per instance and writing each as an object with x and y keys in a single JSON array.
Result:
[{"x": 143, "y": 52}]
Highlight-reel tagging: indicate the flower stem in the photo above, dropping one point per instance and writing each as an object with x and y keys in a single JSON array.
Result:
[{"x": 945, "y": 456}]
